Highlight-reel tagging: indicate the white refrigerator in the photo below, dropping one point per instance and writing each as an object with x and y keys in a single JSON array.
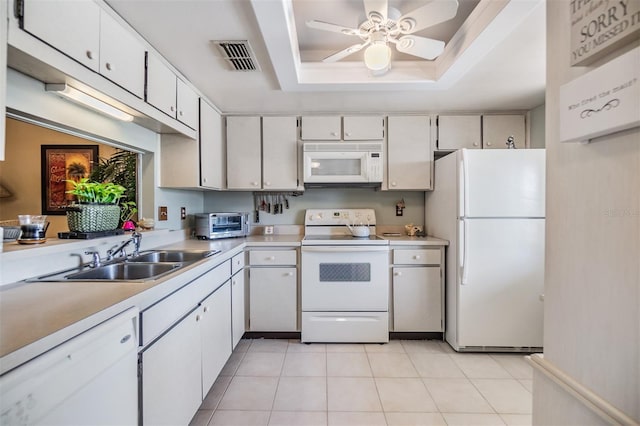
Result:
[{"x": 490, "y": 205}]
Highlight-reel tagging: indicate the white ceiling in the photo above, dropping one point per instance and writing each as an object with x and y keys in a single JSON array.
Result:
[{"x": 488, "y": 64}]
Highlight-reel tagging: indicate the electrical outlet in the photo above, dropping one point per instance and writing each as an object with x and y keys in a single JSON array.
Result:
[
  {"x": 268, "y": 230},
  {"x": 162, "y": 213},
  {"x": 183, "y": 213},
  {"x": 399, "y": 211}
]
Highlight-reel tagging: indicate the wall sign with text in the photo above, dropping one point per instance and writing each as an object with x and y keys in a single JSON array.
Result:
[
  {"x": 601, "y": 26},
  {"x": 603, "y": 101}
]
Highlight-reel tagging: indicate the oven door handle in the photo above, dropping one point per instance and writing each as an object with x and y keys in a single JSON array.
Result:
[{"x": 339, "y": 249}]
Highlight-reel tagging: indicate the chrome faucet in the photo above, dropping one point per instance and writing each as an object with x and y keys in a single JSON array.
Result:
[
  {"x": 136, "y": 238},
  {"x": 95, "y": 262}
]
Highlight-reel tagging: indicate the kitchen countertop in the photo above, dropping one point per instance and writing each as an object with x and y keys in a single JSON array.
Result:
[{"x": 35, "y": 317}]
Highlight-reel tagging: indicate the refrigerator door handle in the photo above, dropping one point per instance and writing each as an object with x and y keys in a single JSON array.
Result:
[
  {"x": 463, "y": 251},
  {"x": 464, "y": 183}
]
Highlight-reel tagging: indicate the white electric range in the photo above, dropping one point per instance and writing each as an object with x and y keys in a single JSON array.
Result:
[{"x": 345, "y": 279}]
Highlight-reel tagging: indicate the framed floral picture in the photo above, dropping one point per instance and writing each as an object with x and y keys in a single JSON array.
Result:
[{"x": 61, "y": 163}]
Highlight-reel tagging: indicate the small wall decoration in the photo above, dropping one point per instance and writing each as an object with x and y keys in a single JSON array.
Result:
[
  {"x": 603, "y": 101},
  {"x": 599, "y": 27},
  {"x": 61, "y": 163}
]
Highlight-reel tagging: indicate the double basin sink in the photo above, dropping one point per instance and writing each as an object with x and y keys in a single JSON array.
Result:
[{"x": 146, "y": 266}]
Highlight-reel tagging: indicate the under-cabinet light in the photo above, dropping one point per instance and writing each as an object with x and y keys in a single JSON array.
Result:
[{"x": 82, "y": 98}]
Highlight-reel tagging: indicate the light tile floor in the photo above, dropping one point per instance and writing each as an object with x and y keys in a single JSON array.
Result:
[{"x": 404, "y": 382}]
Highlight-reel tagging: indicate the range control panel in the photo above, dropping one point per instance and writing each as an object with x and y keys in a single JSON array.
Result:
[{"x": 324, "y": 217}]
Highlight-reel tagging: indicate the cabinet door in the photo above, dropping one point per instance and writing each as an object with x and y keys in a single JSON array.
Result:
[
  {"x": 215, "y": 329},
  {"x": 187, "y": 103},
  {"x": 459, "y": 131},
  {"x": 279, "y": 153},
  {"x": 71, "y": 26},
  {"x": 244, "y": 155},
  {"x": 171, "y": 375},
  {"x": 121, "y": 55},
  {"x": 272, "y": 299},
  {"x": 363, "y": 128},
  {"x": 237, "y": 307},
  {"x": 417, "y": 299},
  {"x": 213, "y": 167},
  {"x": 496, "y": 129},
  {"x": 410, "y": 157},
  {"x": 327, "y": 128},
  {"x": 161, "y": 86}
]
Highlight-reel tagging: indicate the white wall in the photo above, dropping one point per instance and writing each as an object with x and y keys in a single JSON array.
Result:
[
  {"x": 383, "y": 202},
  {"x": 592, "y": 278}
]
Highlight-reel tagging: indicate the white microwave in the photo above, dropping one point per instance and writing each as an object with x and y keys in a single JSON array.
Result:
[{"x": 329, "y": 163}]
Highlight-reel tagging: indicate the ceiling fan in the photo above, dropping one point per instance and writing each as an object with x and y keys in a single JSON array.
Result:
[{"x": 386, "y": 25}]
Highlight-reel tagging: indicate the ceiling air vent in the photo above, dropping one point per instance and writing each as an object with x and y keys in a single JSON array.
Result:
[{"x": 238, "y": 54}]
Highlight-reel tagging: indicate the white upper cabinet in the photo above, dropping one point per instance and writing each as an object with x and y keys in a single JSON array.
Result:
[
  {"x": 161, "y": 85},
  {"x": 187, "y": 103},
  {"x": 121, "y": 55},
  {"x": 410, "y": 156},
  {"x": 496, "y": 129},
  {"x": 356, "y": 128},
  {"x": 212, "y": 157},
  {"x": 363, "y": 128},
  {"x": 244, "y": 153},
  {"x": 86, "y": 33},
  {"x": 70, "y": 26},
  {"x": 459, "y": 131},
  {"x": 279, "y": 153},
  {"x": 327, "y": 128}
]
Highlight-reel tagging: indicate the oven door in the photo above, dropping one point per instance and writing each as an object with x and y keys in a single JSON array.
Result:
[
  {"x": 336, "y": 167},
  {"x": 341, "y": 278}
]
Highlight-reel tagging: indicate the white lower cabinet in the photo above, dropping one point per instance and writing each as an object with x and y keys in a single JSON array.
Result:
[
  {"x": 418, "y": 290},
  {"x": 179, "y": 368},
  {"x": 273, "y": 295},
  {"x": 237, "y": 299}
]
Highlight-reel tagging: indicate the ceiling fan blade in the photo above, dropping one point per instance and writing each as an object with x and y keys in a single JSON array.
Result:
[
  {"x": 344, "y": 52},
  {"x": 420, "y": 46},
  {"x": 319, "y": 25},
  {"x": 430, "y": 14},
  {"x": 376, "y": 10}
]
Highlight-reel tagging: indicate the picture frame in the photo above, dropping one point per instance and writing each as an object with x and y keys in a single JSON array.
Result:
[{"x": 60, "y": 163}]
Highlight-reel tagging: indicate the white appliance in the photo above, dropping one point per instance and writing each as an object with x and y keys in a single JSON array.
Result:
[
  {"x": 90, "y": 380},
  {"x": 345, "y": 279},
  {"x": 490, "y": 205},
  {"x": 329, "y": 163}
]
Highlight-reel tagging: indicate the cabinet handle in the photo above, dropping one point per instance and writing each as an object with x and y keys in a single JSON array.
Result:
[
  {"x": 267, "y": 183},
  {"x": 271, "y": 258},
  {"x": 416, "y": 257},
  {"x": 397, "y": 274},
  {"x": 204, "y": 180},
  {"x": 393, "y": 184},
  {"x": 288, "y": 274},
  {"x": 205, "y": 309},
  {"x": 172, "y": 108},
  {"x": 233, "y": 282},
  {"x": 348, "y": 133},
  {"x": 254, "y": 183},
  {"x": 198, "y": 318},
  {"x": 488, "y": 143},
  {"x": 89, "y": 54},
  {"x": 334, "y": 134},
  {"x": 180, "y": 113},
  {"x": 108, "y": 66},
  {"x": 475, "y": 144}
]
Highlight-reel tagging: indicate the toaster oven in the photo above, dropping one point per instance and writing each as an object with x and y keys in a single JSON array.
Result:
[{"x": 210, "y": 226}]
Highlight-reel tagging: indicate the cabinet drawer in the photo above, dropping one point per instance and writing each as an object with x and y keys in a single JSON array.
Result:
[
  {"x": 272, "y": 257},
  {"x": 163, "y": 314},
  {"x": 237, "y": 263},
  {"x": 416, "y": 257}
]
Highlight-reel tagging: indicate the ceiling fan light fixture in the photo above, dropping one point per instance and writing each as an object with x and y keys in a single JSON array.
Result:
[{"x": 377, "y": 58}]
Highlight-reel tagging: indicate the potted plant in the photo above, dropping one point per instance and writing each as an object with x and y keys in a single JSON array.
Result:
[{"x": 97, "y": 208}]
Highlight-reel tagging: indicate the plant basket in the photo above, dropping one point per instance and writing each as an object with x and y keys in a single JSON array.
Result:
[{"x": 93, "y": 217}]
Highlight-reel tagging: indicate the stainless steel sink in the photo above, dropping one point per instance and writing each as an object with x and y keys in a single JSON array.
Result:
[
  {"x": 183, "y": 256},
  {"x": 125, "y": 271}
]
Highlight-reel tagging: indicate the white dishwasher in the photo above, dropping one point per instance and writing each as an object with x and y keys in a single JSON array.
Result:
[{"x": 89, "y": 380}]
